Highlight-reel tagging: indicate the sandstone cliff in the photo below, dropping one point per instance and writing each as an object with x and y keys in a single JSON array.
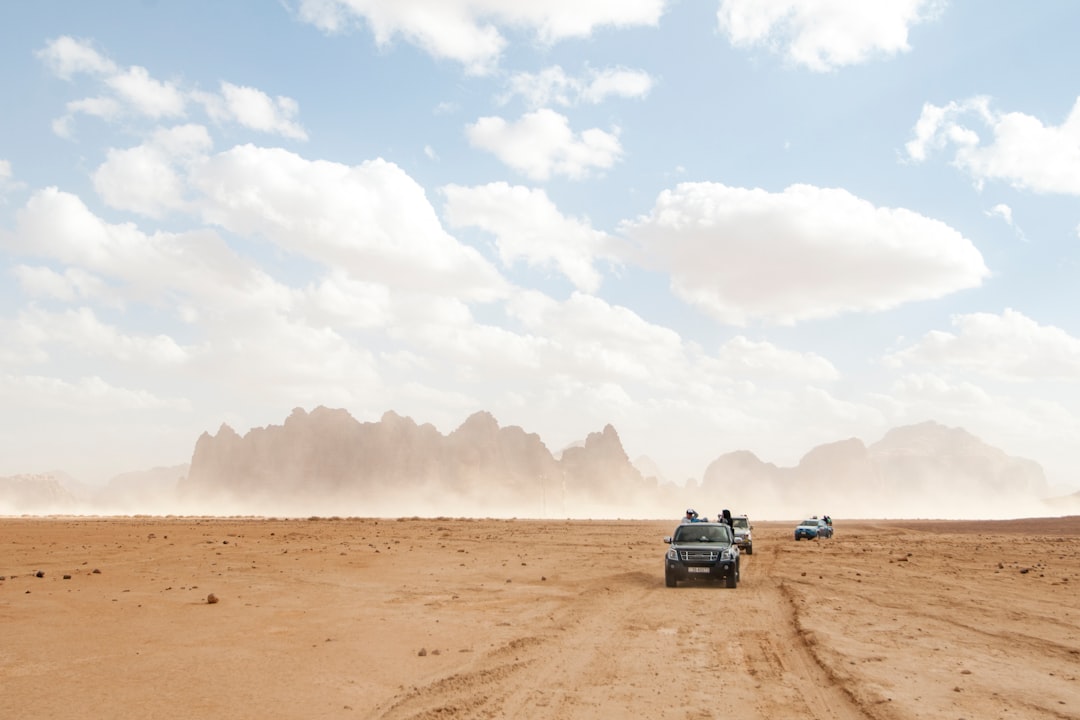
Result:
[{"x": 326, "y": 461}]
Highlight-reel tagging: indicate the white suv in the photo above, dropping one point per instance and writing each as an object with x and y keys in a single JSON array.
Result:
[{"x": 743, "y": 535}]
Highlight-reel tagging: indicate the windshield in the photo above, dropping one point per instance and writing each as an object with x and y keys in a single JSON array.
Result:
[
  {"x": 740, "y": 523},
  {"x": 810, "y": 523},
  {"x": 702, "y": 533}
]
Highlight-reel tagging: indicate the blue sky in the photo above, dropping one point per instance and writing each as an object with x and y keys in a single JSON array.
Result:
[{"x": 721, "y": 225}]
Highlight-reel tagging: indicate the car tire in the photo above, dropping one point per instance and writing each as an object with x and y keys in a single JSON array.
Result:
[
  {"x": 669, "y": 579},
  {"x": 732, "y": 580},
  {"x": 749, "y": 549}
]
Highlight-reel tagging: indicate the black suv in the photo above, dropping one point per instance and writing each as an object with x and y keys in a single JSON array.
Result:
[{"x": 702, "y": 551}]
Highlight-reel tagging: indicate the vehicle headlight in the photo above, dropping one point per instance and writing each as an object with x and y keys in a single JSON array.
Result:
[{"x": 672, "y": 554}]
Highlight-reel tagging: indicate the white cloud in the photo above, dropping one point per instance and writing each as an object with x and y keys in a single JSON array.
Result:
[
  {"x": 67, "y": 57},
  {"x": 159, "y": 268},
  {"x": 252, "y": 108},
  {"x": 149, "y": 179},
  {"x": 591, "y": 340},
  {"x": 71, "y": 285},
  {"x": 8, "y": 183},
  {"x": 133, "y": 92},
  {"x": 552, "y": 86},
  {"x": 468, "y": 31},
  {"x": 250, "y": 334},
  {"x": 825, "y": 34},
  {"x": 1002, "y": 211},
  {"x": 371, "y": 219},
  {"x": 804, "y": 253},
  {"x": 541, "y": 145},
  {"x": 81, "y": 330},
  {"x": 87, "y": 396},
  {"x": 153, "y": 98},
  {"x": 340, "y": 301},
  {"x": 1009, "y": 346},
  {"x": 1022, "y": 151},
  {"x": 741, "y": 357},
  {"x": 527, "y": 226}
]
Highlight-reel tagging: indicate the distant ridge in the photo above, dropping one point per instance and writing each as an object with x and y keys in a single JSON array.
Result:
[
  {"x": 325, "y": 462},
  {"x": 369, "y": 468}
]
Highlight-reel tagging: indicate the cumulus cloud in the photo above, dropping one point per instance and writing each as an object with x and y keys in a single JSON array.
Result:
[
  {"x": 134, "y": 92},
  {"x": 156, "y": 268},
  {"x": 71, "y": 285},
  {"x": 807, "y": 252},
  {"x": 593, "y": 340},
  {"x": 150, "y": 178},
  {"x": 469, "y": 31},
  {"x": 252, "y": 108},
  {"x": 1020, "y": 151},
  {"x": 552, "y": 86},
  {"x": 236, "y": 312},
  {"x": 529, "y": 227},
  {"x": 824, "y": 35},
  {"x": 8, "y": 183},
  {"x": 1009, "y": 346},
  {"x": 67, "y": 57},
  {"x": 80, "y": 329},
  {"x": 1003, "y": 211},
  {"x": 541, "y": 145},
  {"x": 372, "y": 219},
  {"x": 743, "y": 358},
  {"x": 90, "y": 395}
]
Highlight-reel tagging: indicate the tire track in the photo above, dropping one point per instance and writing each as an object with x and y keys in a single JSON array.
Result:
[{"x": 781, "y": 657}]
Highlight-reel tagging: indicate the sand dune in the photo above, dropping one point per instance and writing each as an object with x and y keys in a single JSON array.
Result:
[{"x": 445, "y": 618}]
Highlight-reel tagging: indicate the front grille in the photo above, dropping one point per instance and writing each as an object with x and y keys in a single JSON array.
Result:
[{"x": 699, "y": 555}]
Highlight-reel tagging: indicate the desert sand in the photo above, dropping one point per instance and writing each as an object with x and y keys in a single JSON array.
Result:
[{"x": 152, "y": 617}]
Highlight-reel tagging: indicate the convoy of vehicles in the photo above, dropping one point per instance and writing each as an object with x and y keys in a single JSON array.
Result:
[{"x": 702, "y": 550}]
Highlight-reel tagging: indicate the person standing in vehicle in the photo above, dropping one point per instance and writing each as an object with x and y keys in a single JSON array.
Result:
[{"x": 725, "y": 517}]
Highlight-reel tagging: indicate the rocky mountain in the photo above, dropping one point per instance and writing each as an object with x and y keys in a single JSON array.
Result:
[
  {"x": 325, "y": 462},
  {"x": 924, "y": 470},
  {"x": 35, "y": 494}
]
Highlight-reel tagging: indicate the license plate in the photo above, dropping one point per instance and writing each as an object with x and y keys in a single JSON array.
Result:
[{"x": 698, "y": 569}]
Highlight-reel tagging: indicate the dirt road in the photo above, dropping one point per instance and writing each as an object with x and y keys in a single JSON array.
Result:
[{"x": 455, "y": 618}]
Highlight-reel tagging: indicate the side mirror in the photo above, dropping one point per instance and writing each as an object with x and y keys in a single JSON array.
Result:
[{"x": 667, "y": 539}]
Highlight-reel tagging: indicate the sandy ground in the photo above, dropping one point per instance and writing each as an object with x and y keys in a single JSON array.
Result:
[{"x": 454, "y": 618}]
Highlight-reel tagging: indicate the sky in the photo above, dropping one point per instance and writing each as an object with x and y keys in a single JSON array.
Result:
[{"x": 715, "y": 225}]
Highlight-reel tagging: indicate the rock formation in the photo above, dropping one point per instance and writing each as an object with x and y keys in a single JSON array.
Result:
[
  {"x": 923, "y": 470},
  {"x": 328, "y": 461}
]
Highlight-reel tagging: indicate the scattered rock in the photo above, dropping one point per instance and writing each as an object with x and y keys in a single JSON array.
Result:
[
  {"x": 39, "y": 573},
  {"x": 211, "y": 599},
  {"x": 423, "y": 652},
  {"x": 67, "y": 577}
]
